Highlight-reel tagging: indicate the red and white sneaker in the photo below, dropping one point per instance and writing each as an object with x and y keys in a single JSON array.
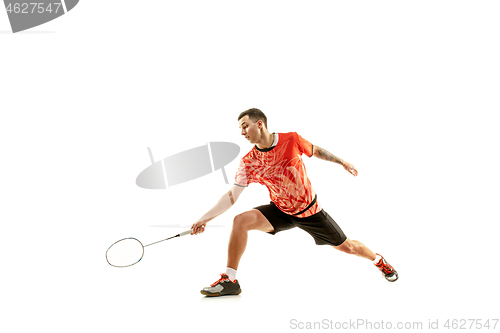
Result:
[
  {"x": 221, "y": 287},
  {"x": 387, "y": 270}
]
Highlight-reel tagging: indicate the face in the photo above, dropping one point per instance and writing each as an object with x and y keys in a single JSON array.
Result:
[{"x": 249, "y": 129}]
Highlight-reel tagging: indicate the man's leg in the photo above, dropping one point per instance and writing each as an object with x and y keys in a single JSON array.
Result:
[
  {"x": 250, "y": 220},
  {"x": 357, "y": 248}
]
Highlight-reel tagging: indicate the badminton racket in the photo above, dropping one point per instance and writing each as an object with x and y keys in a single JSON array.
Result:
[{"x": 129, "y": 251}]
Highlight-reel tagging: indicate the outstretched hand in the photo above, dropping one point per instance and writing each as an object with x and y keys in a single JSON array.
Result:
[{"x": 350, "y": 168}]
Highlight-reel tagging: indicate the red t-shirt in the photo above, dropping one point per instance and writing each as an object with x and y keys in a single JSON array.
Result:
[{"x": 281, "y": 169}]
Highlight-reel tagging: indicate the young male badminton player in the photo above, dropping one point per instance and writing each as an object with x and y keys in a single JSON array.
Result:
[{"x": 275, "y": 161}]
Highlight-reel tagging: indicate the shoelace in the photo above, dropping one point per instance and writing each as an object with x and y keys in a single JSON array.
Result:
[
  {"x": 222, "y": 278},
  {"x": 385, "y": 267}
]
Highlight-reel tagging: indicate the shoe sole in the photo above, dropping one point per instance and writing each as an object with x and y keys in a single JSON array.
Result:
[
  {"x": 390, "y": 280},
  {"x": 217, "y": 294}
]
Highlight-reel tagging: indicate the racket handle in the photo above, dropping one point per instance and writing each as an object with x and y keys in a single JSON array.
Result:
[{"x": 187, "y": 232}]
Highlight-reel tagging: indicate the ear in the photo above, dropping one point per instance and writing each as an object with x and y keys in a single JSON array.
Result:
[{"x": 260, "y": 123}]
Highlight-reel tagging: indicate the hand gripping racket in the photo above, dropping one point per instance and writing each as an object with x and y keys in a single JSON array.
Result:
[{"x": 129, "y": 251}]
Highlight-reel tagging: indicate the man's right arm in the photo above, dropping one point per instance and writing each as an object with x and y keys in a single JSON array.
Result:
[{"x": 224, "y": 203}]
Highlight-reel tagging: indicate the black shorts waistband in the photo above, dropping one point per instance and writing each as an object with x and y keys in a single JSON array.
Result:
[{"x": 307, "y": 208}]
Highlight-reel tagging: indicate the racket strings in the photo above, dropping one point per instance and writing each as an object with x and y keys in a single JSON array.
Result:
[{"x": 125, "y": 252}]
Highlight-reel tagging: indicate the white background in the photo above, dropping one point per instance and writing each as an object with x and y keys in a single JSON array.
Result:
[{"x": 406, "y": 91}]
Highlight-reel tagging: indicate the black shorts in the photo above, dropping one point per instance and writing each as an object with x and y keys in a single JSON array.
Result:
[{"x": 320, "y": 226}]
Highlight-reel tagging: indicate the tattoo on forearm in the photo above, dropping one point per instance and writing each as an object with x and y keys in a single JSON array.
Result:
[
  {"x": 327, "y": 156},
  {"x": 231, "y": 197}
]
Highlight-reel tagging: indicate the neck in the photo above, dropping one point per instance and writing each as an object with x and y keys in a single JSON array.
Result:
[{"x": 266, "y": 141}]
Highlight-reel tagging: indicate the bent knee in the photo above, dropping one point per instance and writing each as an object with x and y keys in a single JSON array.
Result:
[
  {"x": 348, "y": 247},
  {"x": 244, "y": 220},
  {"x": 252, "y": 220}
]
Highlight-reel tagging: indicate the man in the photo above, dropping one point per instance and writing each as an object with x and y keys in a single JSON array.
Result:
[{"x": 275, "y": 161}]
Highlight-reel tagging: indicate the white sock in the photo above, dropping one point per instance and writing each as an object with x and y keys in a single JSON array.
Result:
[
  {"x": 377, "y": 259},
  {"x": 231, "y": 273}
]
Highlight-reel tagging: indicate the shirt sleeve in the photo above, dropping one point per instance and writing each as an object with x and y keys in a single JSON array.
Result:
[
  {"x": 305, "y": 146},
  {"x": 241, "y": 178}
]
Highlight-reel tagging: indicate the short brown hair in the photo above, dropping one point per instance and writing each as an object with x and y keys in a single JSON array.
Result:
[{"x": 255, "y": 115}]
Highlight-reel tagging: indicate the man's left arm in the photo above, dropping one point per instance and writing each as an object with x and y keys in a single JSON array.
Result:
[{"x": 324, "y": 154}]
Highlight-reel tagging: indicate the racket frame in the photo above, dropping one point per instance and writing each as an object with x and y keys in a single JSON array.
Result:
[{"x": 187, "y": 232}]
